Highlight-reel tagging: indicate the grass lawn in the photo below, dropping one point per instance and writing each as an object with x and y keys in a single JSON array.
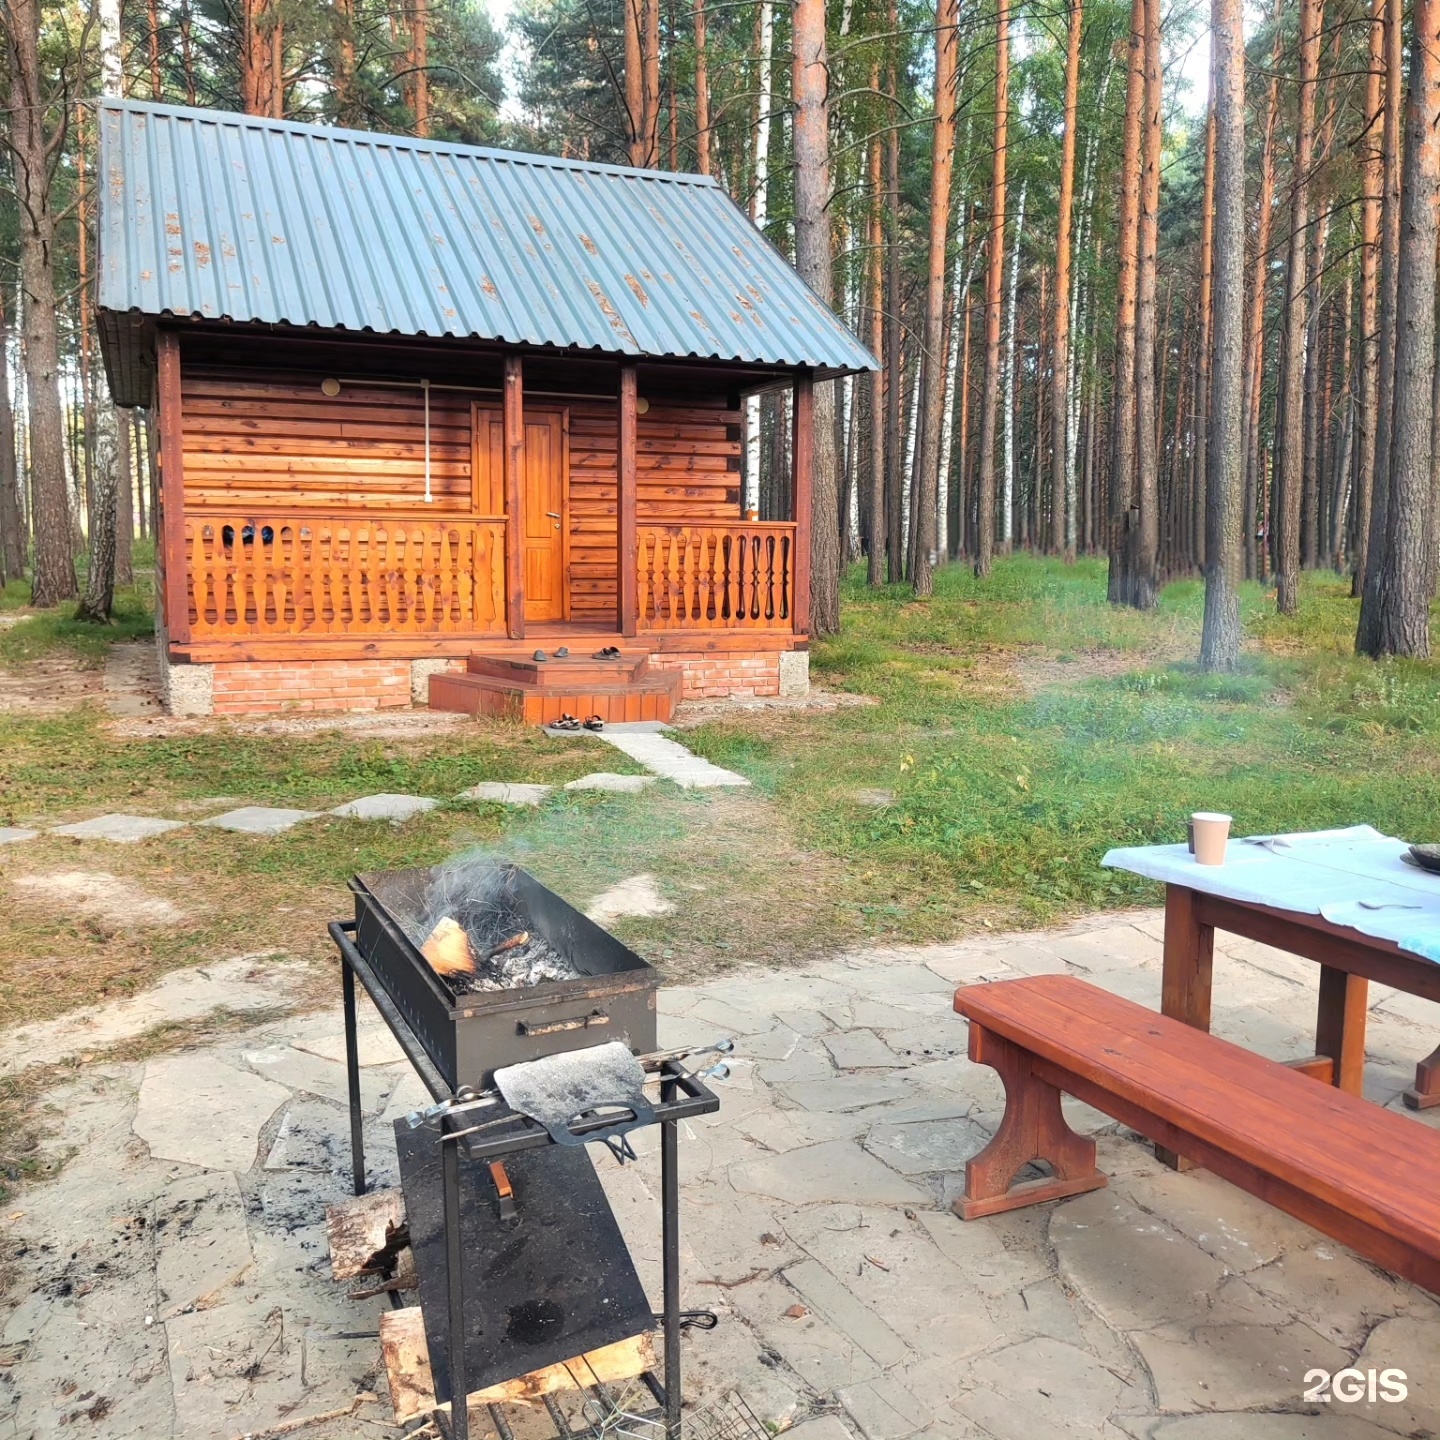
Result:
[
  {"x": 1021, "y": 727},
  {"x": 1024, "y": 727}
]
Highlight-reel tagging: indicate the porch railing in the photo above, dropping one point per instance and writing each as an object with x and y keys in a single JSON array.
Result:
[
  {"x": 278, "y": 574},
  {"x": 721, "y": 576}
]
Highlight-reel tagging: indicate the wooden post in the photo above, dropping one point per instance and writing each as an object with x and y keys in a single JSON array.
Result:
[
  {"x": 513, "y": 427},
  {"x": 803, "y": 477},
  {"x": 627, "y": 539},
  {"x": 172, "y": 490}
]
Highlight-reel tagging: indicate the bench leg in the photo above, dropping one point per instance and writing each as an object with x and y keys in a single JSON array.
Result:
[
  {"x": 1425, "y": 1094},
  {"x": 1033, "y": 1128}
]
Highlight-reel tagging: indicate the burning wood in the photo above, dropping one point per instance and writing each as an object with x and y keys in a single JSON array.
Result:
[
  {"x": 513, "y": 943},
  {"x": 448, "y": 948}
]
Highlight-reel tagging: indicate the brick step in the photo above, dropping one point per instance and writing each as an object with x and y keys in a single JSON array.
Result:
[
  {"x": 652, "y": 696},
  {"x": 572, "y": 670}
]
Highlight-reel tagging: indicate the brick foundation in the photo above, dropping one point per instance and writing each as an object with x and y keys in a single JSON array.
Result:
[
  {"x": 712, "y": 676},
  {"x": 256, "y": 687}
]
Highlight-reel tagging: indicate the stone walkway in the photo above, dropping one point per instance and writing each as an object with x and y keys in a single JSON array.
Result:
[
  {"x": 173, "y": 1280},
  {"x": 665, "y": 759}
]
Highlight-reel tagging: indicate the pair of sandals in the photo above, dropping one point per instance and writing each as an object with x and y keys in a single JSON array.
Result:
[
  {"x": 561, "y": 654},
  {"x": 610, "y": 652},
  {"x": 569, "y": 722}
]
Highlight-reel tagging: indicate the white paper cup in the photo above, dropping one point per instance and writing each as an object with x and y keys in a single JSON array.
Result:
[{"x": 1211, "y": 833}]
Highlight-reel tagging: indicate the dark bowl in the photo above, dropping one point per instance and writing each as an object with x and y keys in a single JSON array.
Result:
[{"x": 1427, "y": 857}]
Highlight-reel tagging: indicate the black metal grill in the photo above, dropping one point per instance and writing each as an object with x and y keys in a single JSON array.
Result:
[{"x": 470, "y": 1034}]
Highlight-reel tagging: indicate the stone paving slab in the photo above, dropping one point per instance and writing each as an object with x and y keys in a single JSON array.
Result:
[
  {"x": 181, "y": 1104},
  {"x": 616, "y": 784},
  {"x": 394, "y": 808},
  {"x": 14, "y": 834},
  {"x": 499, "y": 793},
  {"x": 259, "y": 819},
  {"x": 120, "y": 829},
  {"x": 670, "y": 760}
]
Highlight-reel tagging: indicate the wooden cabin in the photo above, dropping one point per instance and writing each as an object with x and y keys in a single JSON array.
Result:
[{"x": 424, "y": 409}]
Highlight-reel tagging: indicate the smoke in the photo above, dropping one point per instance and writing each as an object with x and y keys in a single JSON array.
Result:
[{"x": 477, "y": 891}]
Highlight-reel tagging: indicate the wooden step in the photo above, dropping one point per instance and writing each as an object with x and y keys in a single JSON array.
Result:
[
  {"x": 652, "y": 695},
  {"x": 570, "y": 670}
]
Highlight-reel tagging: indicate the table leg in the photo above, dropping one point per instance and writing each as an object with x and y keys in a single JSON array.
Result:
[
  {"x": 1340, "y": 1027},
  {"x": 1187, "y": 978},
  {"x": 1426, "y": 1091},
  {"x": 352, "y": 1077}
]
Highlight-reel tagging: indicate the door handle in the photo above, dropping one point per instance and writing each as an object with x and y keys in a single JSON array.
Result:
[{"x": 553, "y": 514}]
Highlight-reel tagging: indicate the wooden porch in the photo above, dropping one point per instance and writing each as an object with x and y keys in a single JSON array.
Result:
[{"x": 293, "y": 529}]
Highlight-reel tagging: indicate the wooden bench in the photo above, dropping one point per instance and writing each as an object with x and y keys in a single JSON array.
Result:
[{"x": 1366, "y": 1176}]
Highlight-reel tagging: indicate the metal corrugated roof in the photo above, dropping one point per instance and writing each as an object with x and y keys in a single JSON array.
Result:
[{"x": 226, "y": 216}]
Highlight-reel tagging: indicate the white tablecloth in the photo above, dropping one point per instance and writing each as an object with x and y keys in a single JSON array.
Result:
[{"x": 1353, "y": 877}]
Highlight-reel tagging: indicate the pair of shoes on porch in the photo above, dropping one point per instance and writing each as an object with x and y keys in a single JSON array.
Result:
[
  {"x": 569, "y": 722},
  {"x": 610, "y": 652},
  {"x": 563, "y": 653}
]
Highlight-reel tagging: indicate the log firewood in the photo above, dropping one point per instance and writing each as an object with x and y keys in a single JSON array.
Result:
[{"x": 448, "y": 949}]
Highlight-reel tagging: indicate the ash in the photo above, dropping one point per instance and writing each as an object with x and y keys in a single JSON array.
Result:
[{"x": 476, "y": 892}]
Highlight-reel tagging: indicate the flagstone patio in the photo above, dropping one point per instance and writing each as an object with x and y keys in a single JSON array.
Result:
[{"x": 174, "y": 1281}]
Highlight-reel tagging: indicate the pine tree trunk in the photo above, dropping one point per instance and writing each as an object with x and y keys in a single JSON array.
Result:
[
  {"x": 1289, "y": 440},
  {"x": 894, "y": 488},
  {"x": 420, "y": 62},
  {"x": 1221, "y": 634},
  {"x": 932, "y": 343},
  {"x": 1198, "y": 506},
  {"x": 702, "y": 92},
  {"x": 54, "y": 575},
  {"x": 1255, "y": 328},
  {"x": 152, "y": 18},
  {"x": 1123, "y": 515},
  {"x": 1061, "y": 531},
  {"x": 1367, "y": 638},
  {"x": 1372, "y": 180},
  {"x": 125, "y": 501},
  {"x": 635, "y": 81},
  {"x": 1145, "y": 535},
  {"x": 813, "y": 261},
  {"x": 1401, "y": 625},
  {"x": 650, "y": 73}
]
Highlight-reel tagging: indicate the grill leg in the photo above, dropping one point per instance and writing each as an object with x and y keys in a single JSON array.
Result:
[
  {"x": 455, "y": 1291},
  {"x": 352, "y": 1075},
  {"x": 670, "y": 1222}
]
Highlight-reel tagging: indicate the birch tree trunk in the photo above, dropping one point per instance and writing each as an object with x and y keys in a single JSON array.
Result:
[
  {"x": 99, "y": 594},
  {"x": 813, "y": 261},
  {"x": 876, "y": 568},
  {"x": 1221, "y": 633},
  {"x": 932, "y": 344},
  {"x": 759, "y": 201},
  {"x": 1401, "y": 624},
  {"x": 1007, "y": 514},
  {"x": 1062, "y": 530},
  {"x": 32, "y": 155},
  {"x": 12, "y": 525}
]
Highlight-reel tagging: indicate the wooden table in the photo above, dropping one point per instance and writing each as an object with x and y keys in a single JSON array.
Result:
[{"x": 1348, "y": 962}]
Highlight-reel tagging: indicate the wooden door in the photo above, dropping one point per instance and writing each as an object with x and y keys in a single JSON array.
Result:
[
  {"x": 544, "y": 511},
  {"x": 544, "y": 540}
]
